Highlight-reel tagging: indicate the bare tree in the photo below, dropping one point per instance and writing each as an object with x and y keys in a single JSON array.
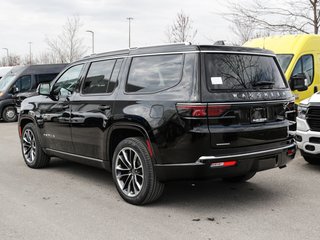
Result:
[
  {"x": 68, "y": 46},
  {"x": 291, "y": 17},
  {"x": 246, "y": 30},
  {"x": 181, "y": 30},
  {"x": 13, "y": 60}
]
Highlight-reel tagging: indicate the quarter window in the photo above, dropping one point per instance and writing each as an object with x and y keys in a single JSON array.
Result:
[
  {"x": 154, "y": 73},
  {"x": 68, "y": 81},
  {"x": 305, "y": 65},
  {"x": 98, "y": 77}
]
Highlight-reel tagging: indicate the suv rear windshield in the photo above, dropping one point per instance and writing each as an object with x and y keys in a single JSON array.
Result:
[{"x": 242, "y": 72}]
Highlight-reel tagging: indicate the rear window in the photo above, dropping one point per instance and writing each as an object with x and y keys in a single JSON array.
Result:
[
  {"x": 241, "y": 72},
  {"x": 154, "y": 73}
]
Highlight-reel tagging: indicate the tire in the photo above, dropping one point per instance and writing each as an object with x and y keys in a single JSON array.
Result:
[
  {"x": 9, "y": 114},
  {"x": 32, "y": 152},
  {"x": 133, "y": 172},
  {"x": 312, "y": 160},
  {"x": 242, "y": 178}
]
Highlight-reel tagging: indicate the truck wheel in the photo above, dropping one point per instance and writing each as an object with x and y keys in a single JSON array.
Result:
[
  {"x": 32, "y": 152},
  {"x": 9, "y": 114},
  {"x": 242, "y": 178},
  {"x": 133, "y": 172},
  {"x": 312, "y": 160}
]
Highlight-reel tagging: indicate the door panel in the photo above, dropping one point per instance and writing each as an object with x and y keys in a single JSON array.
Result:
[
  {"x": 92, "y": 108},
  {"x": 56, "y": 111}
]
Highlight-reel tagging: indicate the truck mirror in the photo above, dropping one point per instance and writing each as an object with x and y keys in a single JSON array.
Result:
[
  {"x": 299, "y": 82},
  {"x": 43, "y": 89}
]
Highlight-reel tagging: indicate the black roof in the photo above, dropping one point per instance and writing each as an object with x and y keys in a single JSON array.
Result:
[{"x": 177, "y": 48}]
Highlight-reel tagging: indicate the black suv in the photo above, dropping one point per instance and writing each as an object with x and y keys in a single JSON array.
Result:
[{"x": 162, "y": 113}]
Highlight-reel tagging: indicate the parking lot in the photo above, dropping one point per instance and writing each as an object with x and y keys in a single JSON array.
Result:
[{"x": 72, "y": 201}]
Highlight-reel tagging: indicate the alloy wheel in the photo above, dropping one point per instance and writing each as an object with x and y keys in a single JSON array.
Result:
[
  {"x": 129, "y": 172},
  {"x": 29, "y": 146}
]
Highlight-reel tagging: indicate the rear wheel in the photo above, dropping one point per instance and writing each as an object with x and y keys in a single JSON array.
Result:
[
  {"x": 9, "y": 114},
  {"x": 133, "y": 172},
  {"x": 32, "y": 152},
  {"x": 241, "y": 178}
]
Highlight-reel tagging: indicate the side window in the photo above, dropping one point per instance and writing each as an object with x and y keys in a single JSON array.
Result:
[
  {"x": 23, "y": 83},
  {"x": 68, "y": 81},
  {"x": 154, "y": 73},
  {"x": 98, "y": 77},
  {"x": 43, "y": 78},
  {"x": 305, "y": 65}
]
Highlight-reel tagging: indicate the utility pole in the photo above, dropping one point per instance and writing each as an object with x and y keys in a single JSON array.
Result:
[
  {"x": 92, "y": 38},
  {"x": 30, "y": 54},
  {"x": 7, "y": 55},
  {"x": 129, "y": 19}
]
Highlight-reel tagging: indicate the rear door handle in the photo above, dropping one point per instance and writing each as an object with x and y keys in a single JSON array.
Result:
[{"x": 104, "y": 107}]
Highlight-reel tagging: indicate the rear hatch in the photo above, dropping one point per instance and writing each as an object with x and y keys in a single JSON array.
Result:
[{"x": 246, "y": 97}]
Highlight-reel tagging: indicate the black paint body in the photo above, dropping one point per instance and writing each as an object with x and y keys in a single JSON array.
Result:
[{"x": 87, "y": 127}]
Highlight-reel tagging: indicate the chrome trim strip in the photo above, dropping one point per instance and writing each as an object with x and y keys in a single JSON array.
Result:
[
  {"x": 75, "y": 155},
  {"x": 273, "y": 101},
  {"x": 244, "y": 154}
]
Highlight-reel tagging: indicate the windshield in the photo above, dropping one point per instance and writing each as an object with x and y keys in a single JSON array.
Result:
[
  {"x": 284, "y": 61},
  {"x": 6, "y": 81},
  {"x": 240, "y": 71}
]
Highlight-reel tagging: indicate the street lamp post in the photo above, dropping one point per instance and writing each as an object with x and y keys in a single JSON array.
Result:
[
  {"x": 7, "y": 55},
  {"x": 30, "y": 55},
  {"x": 129, "y": 19},
  {"x": 92, "y": 35}
]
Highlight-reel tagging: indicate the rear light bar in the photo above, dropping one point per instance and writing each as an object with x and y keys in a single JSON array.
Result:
[
  {"x": 223, "y": 164},
  {"x": 201, "y": 110}
]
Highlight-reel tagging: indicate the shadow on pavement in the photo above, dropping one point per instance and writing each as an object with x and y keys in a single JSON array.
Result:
[{"x": 211, "y": 194}]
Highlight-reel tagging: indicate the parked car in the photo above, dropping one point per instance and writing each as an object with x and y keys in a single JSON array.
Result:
[
  {"x": 154, "y": 114},
  {"x": 21, "y": 82},
  {"x": 4, "y": 71},
  {"x": 308, "y": 129},
  {"x": 297, "y": 54}
]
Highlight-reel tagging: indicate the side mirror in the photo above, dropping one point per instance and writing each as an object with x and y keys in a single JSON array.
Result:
[
  {"x": 15, "y": 90},
  {"x": 299, "y": 82},
  {"x": 43, "y": 89}
]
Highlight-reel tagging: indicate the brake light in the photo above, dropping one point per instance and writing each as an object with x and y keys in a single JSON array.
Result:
[
  {"x": 192, "y": 110},
  {"x": 201, "y": 110},
  {"x": 217, "y": 110}
]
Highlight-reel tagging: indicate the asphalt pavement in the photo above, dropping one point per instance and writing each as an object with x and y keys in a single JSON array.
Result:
[{"x": 72, "y": 201}]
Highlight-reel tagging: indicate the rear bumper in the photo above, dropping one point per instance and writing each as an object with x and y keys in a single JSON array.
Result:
[{"x": 208, "y": 166}]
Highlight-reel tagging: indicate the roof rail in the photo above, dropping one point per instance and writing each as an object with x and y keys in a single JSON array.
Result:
[{"x": 164, "y": 44}]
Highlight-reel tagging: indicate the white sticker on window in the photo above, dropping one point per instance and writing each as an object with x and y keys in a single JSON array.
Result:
[{"x": 216, "y": 80}]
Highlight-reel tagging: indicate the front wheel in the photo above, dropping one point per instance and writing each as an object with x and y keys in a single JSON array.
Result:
[
  {"x": 242, "y": 178},
  {"x": 133, "y": 172},
  {"x": 32, "y": 152},
  {"x": 9, "y": 114},
  {"x": 311, "y": 159}
]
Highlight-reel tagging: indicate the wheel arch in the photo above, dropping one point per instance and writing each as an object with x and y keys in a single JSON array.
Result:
[{"x": 120, "y": 131}]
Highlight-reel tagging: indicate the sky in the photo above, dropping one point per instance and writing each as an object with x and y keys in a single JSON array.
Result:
[{"x": 35, "y": 21}]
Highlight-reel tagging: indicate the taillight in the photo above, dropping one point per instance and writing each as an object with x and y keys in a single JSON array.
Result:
[
  {"x": 192, "y": 110},
  {"x": 217, "y": 110},
  {"x": 201, "y": 110}
]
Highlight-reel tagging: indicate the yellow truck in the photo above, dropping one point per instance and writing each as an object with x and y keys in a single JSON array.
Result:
[{"x": 297, "y": 54}]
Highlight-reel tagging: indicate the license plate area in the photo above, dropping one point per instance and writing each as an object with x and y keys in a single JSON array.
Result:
[{"x": 258, "y": 115}]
